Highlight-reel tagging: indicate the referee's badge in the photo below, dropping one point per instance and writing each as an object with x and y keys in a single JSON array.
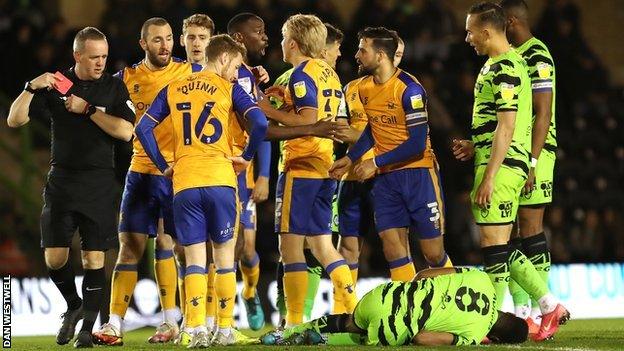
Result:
[
  {"x": 300, "y": 89},
  {"x": 507, "y": 91}
]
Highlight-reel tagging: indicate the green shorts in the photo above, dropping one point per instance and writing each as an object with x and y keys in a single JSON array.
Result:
[
  {"x": 543, "y": 186},
  {"x": 505, "y": 197},
  {"x": 373, "y": 313}
]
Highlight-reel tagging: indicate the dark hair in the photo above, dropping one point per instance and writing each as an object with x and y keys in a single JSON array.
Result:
[
  {"x": 87, "y": 33},
  {"x": 518, "y": 8},
  {"x": 198, "y": 20},
  {"x": 489, "y": 12},
  {"x": 384, "y": 39},
  {"x": 508, "y": 329},
  {"x": 234, "y": 25},
  {"x": 333, "y": 34},
  {"x": 154, "y": 21},
  {"x": 223, "y": 43}
]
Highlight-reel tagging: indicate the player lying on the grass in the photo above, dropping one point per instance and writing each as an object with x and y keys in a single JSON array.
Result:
[{"x": 442, "y": 306}]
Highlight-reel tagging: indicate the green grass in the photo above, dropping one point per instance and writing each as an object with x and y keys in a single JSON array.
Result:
[{"x": 577, "y": 335}]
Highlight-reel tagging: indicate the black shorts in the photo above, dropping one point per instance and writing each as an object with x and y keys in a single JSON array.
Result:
[{"x": 83, "y": 200}]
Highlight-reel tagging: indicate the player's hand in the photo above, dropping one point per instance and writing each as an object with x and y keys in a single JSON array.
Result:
[
  {"x": 168, "y": 172},
  {"x": 326, "y": 128},
  {"x": 76, "y": 104},
  {"x": 239, "y": 164},
  {"x": 339, "y": 168},
  {"x": 45, "y": 81},
  {"x": 483, "y": 196},
  {"x": 530, "y": 183},
  {"x": 261, "y": 74},
  {"x": 463, "y": 150},
  {"x": 365, "y": 170},
  {"x": 347, "y": 134},
  {"x": 261, "y": 190},
  {"x": 277, "y": 92}
]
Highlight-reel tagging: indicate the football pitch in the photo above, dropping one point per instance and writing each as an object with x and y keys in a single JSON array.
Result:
[{"x": 577, "y": 335}]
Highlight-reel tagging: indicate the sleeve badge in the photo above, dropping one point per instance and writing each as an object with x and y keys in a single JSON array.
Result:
[
  {"x": 300, "y": 89},
  {"x": 543, "y": 70},
  {"x": 417, "y": 101}
]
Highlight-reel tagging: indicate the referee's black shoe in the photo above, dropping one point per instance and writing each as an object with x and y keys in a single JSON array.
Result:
[
  {"x": 83, "y": 340},
  {"x": 68, "y": 327}
]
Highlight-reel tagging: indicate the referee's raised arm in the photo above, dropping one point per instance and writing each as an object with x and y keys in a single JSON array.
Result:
[{"x": 19, "y": 112}]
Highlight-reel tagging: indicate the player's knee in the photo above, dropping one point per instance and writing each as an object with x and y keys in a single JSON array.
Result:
[
  {"x": 393, "y": 249},
  {"x": 92, "y": 259},
  {"x": 164, "y": 242},
  {"x": 129, "y": 253},
  {"x": 350, "y": 253},
  {"x": 178, "y": 251},
  {"x": 290, "y": 253},
  {"x": 55, "y": 261},
  {"x": 433, "y": 258}
]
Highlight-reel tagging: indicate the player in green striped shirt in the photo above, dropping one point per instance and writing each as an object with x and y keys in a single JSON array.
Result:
[
  {"x": 537, "y": 191},
  {"x": 442, "y": 306},
  {"x": 501, "y": 143}
]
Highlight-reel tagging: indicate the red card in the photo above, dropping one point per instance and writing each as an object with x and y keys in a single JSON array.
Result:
[{"x": 63, "y": 83}]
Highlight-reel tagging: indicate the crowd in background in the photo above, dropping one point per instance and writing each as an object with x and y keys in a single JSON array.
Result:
[{"x": 584, "y": 223}]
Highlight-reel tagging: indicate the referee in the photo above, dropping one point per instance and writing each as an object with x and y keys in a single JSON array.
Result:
[{"x": 80, "y": 191}]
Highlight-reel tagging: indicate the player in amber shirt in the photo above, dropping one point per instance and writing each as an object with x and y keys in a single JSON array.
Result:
[
  {"x": 407, "y": 192},
  {"x": 202, "y": 108},
  {"x": 354, "y": 208},
  {"x": 304, "y": 190},
  {"x": 146, "y": 206}
]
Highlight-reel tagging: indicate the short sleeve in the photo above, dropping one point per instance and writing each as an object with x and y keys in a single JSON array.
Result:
[
  {"x": 414, "y": 101},
  {"x": 39, "y": 108},
  {"x": 303, "y": 90},
  {"x": 541, "y": 72},
  {"x": 506, "y": 88},
  {"x": 123, "y": 108},
  {"x": 241, "y": 100},
  {"x": 159, "y": 109}
]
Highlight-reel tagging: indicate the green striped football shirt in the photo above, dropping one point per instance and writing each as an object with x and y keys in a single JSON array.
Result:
[
  {"x": 543, "y": 79},
  {"x": 503, "y": 85}
]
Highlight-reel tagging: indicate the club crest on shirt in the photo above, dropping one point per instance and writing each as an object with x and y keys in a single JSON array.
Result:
[
  {"x": 417, "y": 101},
  {"x": 507, "y": 91},
  {"x": 543, "y": 69},
  {"x": 300, "y": 89},
  {"x": 245, "y": 82}
]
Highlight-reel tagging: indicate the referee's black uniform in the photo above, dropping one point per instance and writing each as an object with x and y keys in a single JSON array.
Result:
[{"x": 81, "y": 189}]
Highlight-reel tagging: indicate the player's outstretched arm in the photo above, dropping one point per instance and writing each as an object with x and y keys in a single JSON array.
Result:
[
  {"x": 324, "y": 128},
  {"x": 305, "y": 116}
]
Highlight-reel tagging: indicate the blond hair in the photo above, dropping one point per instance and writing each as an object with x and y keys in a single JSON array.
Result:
[
  {"x": 198, "y": 20},
  {"x": 309, "y": 32},
  {"x": 223, "y": 43}
]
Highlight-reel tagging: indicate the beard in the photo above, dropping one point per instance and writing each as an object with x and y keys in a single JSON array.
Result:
[
  {"x": 364, "y": 71},
  {"x": 157, "y": 61}
]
